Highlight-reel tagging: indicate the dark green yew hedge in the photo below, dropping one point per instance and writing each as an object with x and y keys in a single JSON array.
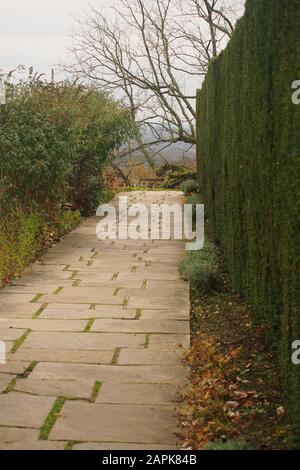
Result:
[{"x": 249, "y": 171}]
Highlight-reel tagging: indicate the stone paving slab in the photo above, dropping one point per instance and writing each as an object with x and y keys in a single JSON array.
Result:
[
  {"x": 138, "y": 394},
  {"x": 26, "y": 310},
  {"x": 4, "y": 381},
  {"x": 63, "y": 355},
  {"x": 169, "y": 341},
  {"x": 156, "y": 294},
  {"x": 147, "y": 274},
  {"x": 121, "y": 446},
  {"x": 107, "y": 337},
  {"x": 83, "y": 295},
  {"x": 141, "y": 423},
  {"x": 141, "y": 326},
  {"x": 14, "y": 366},
  {"x": 82, "y": 341},
  {"x": 9, "y": 299},
  {"x": 21, "y": 410},
  {"x": 25, "y": 439},
  {"x": 149, "y": 356},
  {"x": 56, "y": 388},
  {"x": 15, "y": 326},
  {"x": 177, "y": 314},
  {"x": 174, "y": 374},
  {"x": 159, "y": 303},
  {"x": 8, "y": 334},
  {"x": 98, "y": 311}
]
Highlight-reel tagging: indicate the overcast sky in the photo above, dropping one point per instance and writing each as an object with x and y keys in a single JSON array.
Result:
[{"x": 36, "y": 33}]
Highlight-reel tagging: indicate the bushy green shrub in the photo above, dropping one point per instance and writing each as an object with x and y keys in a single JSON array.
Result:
[
  {"x": 228, "y": 445},
  {"x": 54, "y": 141},
  {"x": 248, "y": 156},
  {"x": 201, "y": 268},
  {"x": 188, "y": 187}
]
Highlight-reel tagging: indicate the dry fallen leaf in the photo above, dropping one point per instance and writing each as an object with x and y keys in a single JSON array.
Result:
[
  {"x": 281, "y": 411},
  {"x": 240, "y": 395}
]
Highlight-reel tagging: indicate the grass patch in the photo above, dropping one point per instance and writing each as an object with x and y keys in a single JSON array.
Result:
[
  {"x": 70, "y": 444},
  {"x": 28, "y": 370},
  {"x": 51, "y": 418},
  {"x": 38, "y": 313},
  {"x": 89, "y": 325},
  {"x": 17, "y": 344},
  {"x": 96, "y": 390},
  {"x": 10, "y": 386},
  {"x": 58, "y": 290},
  {"x": 147, "y": 341},
  {"x": 116, "y": 355},
  {"x": 36, "y": 298},
  {"x": 138, "y": 313}
]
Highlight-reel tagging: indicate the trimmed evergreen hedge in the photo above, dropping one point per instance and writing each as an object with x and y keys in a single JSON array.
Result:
[{"x": 249, "y": 171}]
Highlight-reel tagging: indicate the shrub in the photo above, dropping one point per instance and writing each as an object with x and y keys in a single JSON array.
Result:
[
  {"x": 55, "y": 140},
  {"x": 188, "y": 186},
  {"x": 201, "y": 268},
  {"x": 249, "y": 170}
]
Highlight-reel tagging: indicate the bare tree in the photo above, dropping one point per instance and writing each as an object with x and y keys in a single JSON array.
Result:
[{"x": 152, "y": 54}]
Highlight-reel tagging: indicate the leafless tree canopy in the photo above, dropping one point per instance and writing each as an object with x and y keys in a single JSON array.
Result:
[{"x": 152, "y": 54}]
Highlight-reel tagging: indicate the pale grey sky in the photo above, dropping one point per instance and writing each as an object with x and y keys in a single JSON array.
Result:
[{"x": 36, "y": 33}]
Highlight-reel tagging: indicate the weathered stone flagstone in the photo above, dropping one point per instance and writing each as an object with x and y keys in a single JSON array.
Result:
[
  {"x": 120, "y": 446},
  {"x": 56, "y": 388},
  {"x": 8, "y": 334},
  {"x": 149, "y": 356},
  {"x": 40, "y": 325},
  {"x": 138, "y": 394},
  {"x": 63, "y": 355},
  {"x": 141, "y": 423},
  {"x": 98, "y": 311},
  {"x": 27, "y": 411},
  {"x": 99, "y": 329},
  {"x": 4, "y": 381},
  {"x": 25, "y": 439},
  {"x": 177, "y": 314},
  {"x": 82, "y": 341},
  {"x": 14, "y": 366},
  {"x": 141, "y": 326},
  {"x": 117, "y": 374}
]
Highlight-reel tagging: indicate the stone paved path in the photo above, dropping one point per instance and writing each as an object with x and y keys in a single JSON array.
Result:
[{"x": 95, "y": 333}]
